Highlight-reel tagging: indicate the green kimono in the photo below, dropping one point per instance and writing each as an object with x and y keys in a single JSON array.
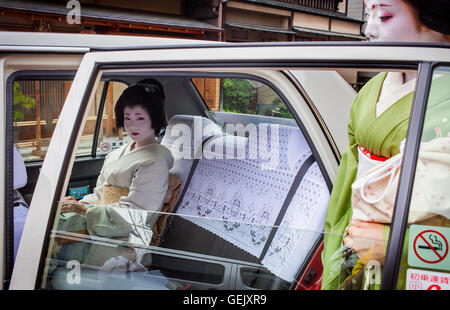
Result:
[{"x": 381, "y": 136}]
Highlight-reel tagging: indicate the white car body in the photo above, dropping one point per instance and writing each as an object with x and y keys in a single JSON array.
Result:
[{"x": 323, "y": 115}]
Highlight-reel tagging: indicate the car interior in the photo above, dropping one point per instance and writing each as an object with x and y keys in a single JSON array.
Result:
[{"x": 221, "y": 234}]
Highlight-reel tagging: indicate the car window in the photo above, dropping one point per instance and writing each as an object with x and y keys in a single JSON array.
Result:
[
  {"x": 109, "y": 136},
  {"x": 37, "y": 104},
  {"x": 251, "y": 189},
  {"x": 242, "y": 101},
  {"x": 239, "y": 95},
  {"x": 426, "y": 264},
  {"x": 244, "y": 208}
]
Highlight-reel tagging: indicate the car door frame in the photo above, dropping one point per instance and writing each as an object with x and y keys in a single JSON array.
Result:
[
  {"x": 316, "y": 55},
  {"x": 22, "y": 59},
  {"x": 391, "y": 269}
]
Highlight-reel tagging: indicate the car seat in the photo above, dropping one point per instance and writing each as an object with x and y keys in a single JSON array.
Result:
[{"x": 20, "y": 206}]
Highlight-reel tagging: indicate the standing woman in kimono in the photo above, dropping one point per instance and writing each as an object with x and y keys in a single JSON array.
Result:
[
  {"x": 137, "y": 174},
  {"x": 377, "y": 124}
]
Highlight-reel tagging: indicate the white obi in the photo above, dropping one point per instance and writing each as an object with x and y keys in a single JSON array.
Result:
[{"x": 365, "y": 163}]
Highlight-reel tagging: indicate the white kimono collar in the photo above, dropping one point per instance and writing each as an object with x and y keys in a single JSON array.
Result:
[{"x": 393, "y": 89}]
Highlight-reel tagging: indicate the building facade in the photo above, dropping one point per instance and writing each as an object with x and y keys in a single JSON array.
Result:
[
  {"x": 290, "y": 20},
  {"x": 169, "y": 18},
  {"x": 217, "y": 20}
]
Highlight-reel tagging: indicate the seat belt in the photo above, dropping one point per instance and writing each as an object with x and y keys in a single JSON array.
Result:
[{"x": 287, "y": 201}]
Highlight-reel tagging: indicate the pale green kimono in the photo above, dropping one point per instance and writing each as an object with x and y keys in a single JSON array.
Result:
[
  {"x": 144, "y": 171},
  {"x": 381, "y": 136}
]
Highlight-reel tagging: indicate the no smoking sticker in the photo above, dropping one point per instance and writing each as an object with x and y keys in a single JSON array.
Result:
[
  {"x": 429, "y": 247},
  {"x": 105, "y": 147}
]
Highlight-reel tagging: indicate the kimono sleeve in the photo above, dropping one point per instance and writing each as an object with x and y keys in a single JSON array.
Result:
[{"x": 339, "y": 207}]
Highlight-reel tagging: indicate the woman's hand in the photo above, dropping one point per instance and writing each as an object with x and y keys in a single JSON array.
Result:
[
  {"x": 69, "y": 198},
  {"x": 72, "y": 205},
  {"x": 366, "y": 239}
]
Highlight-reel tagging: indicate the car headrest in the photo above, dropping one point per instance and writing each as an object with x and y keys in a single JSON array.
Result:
[
  {"x": 187, "y": 128},
  {"x": 20, "y": 173}
]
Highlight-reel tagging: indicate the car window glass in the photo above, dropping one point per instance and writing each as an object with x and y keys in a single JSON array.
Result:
[
  {"x": 109, "y": 136},
  {"x": 229, "y": 190},
  {"x": 425, "y": 263},
  {"x": 37, "y": 104},
  {"x": 250, "y": 199},
  {"x": 238, "y": 95}
]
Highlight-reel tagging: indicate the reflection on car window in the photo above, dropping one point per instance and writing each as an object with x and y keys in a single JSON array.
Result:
[{"x": 425, "y": 263}]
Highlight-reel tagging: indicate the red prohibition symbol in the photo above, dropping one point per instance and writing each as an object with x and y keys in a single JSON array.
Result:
[
  {"x": 434, "y": 287},
  {"x": 429, "y": 246},
  {"x": 105, "y": 146}
]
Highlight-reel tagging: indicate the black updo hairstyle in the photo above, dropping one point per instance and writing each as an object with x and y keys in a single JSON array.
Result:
[
  {"x": 434, "y": 14},
  {"x": 157, "y": 86},
  {"x": 148, "y": 94}
]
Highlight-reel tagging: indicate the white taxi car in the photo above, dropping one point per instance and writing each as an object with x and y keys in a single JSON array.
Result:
[{"x": 256, "y": 131}]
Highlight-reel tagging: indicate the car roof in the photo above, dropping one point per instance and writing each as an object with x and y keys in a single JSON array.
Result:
[{"x": 82, "y": 43}]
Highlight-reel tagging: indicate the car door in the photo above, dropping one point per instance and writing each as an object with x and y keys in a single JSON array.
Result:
[
  {"x": 22, "y": 75},
  {"x": 417, "y": 253},
  {"x": 36, "y": 87},
  {"x": 314, "y": 122}
]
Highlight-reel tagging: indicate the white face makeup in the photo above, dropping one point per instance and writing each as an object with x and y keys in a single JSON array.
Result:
[
  {"x": 395, "y": 21},
  {"x": 138, "y": 125}
]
